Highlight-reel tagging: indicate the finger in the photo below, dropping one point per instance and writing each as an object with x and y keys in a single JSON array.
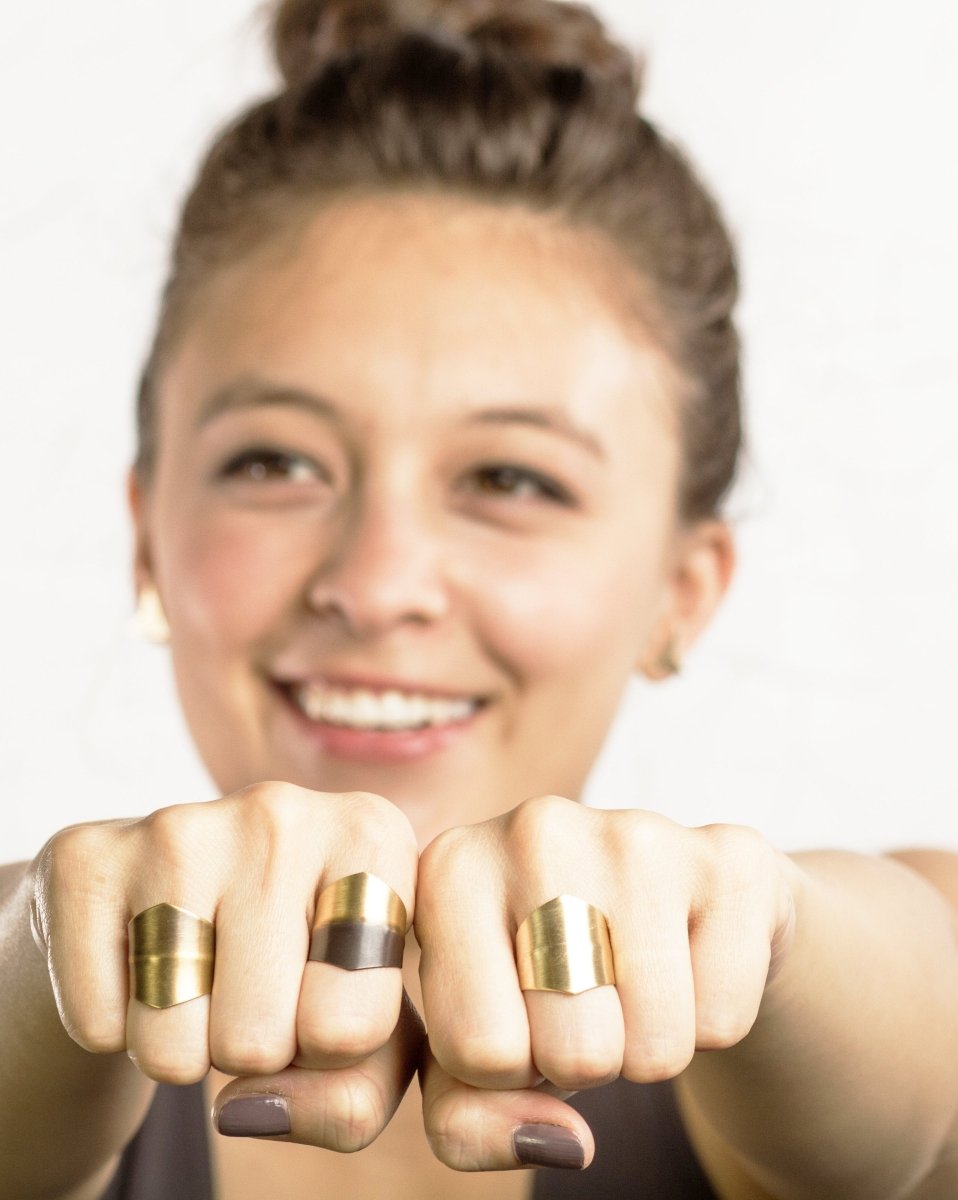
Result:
[
  {"x": 740, "y": 914},
  {"x": 577, "y": 1041},
  {"x": 344, "y": 1014},
  {"x": 564, "y": 964},
  {"x": 730, "y": 953},
  {"x": 170, "y": 1044},
  {"x": 655, "y": 985},
  {"x": 83, "y": 932},
  {"x": 475, "y": 1129},
  {"x": 342, "y": 1110},
  {"x": 261, "y": 940},
  {"x": 474, "y": 1009}
]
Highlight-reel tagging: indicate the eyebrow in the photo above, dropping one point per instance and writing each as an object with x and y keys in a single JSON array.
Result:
[
  {"x": 551, "y": 419},
  {"x": 248, "y": 393}
]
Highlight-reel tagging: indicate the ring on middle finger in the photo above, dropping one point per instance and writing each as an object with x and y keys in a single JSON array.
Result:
[
  {"x": 564, "y": 946},
  {"x": 360, "y": 923}
]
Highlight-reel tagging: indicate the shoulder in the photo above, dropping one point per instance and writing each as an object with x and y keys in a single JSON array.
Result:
[{"x": 937, "y": 867}]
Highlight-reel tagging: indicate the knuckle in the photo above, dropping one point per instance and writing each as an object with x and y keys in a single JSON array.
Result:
[
  {"x": 75, "y": 855},
  {"x": 352, "y": 1035},
  {"x": 579, "y": 1071},
  {"x": 354, "y": 1112},
  {"x": 268, "y": 792},
  {"x": 721, "y": 1030},
  {"x": 639, "y": 839},
  {"x": 654, "y": 1060},
  {"x": 449, "y": 856},
  {"x": 739, "y": 853},
  {"x": 452, "y": 1124},
  {"x": 376, "y": 823},
  {"x": 642, "y": 833},
  {"x": 543, "y": 820},
  {"x": 445, "y": 850},
  {"x": 180, "y": 1070},
  {"x": 253, "y": 1053},
  {"x": 462, "y": 1132},
  {"x": 485, "y": 1059},
  {"x": 95, "y": 1036},
  {"x": 271, "y": 807},
  {"x": 175, "y": 833}
]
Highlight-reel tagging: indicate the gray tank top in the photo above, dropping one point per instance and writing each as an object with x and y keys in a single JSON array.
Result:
[{"x": 642, "y": 1150}]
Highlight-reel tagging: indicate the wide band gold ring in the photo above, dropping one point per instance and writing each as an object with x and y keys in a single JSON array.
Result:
[
  {"x": 564, "y": 946},
  {"x": 360, "y": 923},
  {"x": 171, "y": 956}
]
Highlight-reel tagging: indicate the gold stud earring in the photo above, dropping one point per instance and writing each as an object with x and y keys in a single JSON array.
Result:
[
  {"x": 665, "y": 665},
  {"x": 149, "y": 620},
  {"x": 669, "y": 662}
]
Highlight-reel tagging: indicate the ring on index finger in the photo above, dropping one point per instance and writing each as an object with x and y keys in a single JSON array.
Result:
[
  {"x": 564, "y": 946},
  {"x": 360, "y": 923},
  {"x": 171, "y": 956}
]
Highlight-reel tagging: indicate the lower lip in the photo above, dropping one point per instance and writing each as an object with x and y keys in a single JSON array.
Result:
[{"x": 380, "y": 745}]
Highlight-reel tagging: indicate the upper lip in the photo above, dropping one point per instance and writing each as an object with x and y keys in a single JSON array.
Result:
[{"x": 378, "y": 683}]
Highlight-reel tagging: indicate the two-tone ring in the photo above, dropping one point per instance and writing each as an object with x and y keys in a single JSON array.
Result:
[{"x": 360, "y": 923}]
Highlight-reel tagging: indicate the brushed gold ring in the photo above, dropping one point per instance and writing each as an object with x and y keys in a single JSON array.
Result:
[
  {"x": 360, "y": 923},
  {"x": 171, "y": 956},
  {"x": 564, "y": 946}
]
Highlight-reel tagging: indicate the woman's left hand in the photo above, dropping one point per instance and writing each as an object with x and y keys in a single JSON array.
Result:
[{"x": 699, "y": 919}]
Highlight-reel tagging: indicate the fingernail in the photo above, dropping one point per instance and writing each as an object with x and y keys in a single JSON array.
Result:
[
  {"x": 547, "y": 1146},
  {"x": 254, "y": 1116}
]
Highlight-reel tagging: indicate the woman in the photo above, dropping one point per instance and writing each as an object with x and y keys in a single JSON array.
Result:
[{"x": 433, "y": 441}]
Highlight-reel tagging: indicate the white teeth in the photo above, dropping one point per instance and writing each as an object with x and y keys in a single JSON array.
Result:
[
  {"x": 360, "y": 708},
  {"x": 365, "y": 710}
]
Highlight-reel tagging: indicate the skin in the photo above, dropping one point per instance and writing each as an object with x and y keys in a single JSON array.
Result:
[
  {"x": 431, "y": 572},
  {"x": 484, "y": 504}
]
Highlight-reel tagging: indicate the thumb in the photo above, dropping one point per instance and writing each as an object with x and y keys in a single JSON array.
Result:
[
  {"x": 343, "y": 1109},
  {"x": 475, "y": 1129}
]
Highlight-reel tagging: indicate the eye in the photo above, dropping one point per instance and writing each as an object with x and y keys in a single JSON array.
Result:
[
  {"x": 264, "y": 464},
  {"x": 517, "y": 483}
]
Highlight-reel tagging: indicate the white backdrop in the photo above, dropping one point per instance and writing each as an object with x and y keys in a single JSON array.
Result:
[{"x": 821, "y": 705}]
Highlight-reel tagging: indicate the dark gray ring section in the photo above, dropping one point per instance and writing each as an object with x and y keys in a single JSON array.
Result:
[{"x": 357, "y": 945}]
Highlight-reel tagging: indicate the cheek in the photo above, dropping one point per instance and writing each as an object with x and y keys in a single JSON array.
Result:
[
  {"x": 228, "y": 581},
  {"x": 586, "y": 610}
]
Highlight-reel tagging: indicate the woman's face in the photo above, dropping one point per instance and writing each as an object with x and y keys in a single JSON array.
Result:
[{"x": 413, "y": 518}]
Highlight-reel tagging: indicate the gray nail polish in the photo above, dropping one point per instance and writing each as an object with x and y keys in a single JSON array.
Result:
[
  {"x": 547, "y": 1146},
  {"x": 254, "y": 1116}
]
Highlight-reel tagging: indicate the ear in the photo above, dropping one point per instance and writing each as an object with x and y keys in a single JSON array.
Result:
[
  {"x": 701, "y": 571},
  {"x": 142, "y": 562}
]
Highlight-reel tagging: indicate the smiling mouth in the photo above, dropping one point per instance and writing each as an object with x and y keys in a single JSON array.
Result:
[{"x": 390, "y": 710}]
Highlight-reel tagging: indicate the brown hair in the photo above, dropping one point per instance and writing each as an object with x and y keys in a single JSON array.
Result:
[{"x": 525, "y": 101}]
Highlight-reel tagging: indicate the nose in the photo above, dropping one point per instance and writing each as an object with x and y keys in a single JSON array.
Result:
[{"x": 384, "y": 571}]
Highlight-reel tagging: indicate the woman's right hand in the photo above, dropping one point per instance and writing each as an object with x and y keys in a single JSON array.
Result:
[{"x": 254, "y": 863}]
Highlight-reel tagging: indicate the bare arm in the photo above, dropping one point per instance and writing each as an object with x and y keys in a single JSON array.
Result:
[
  {"x": 847, "y": 1086},
  {"x": 64, "y": 1113}
]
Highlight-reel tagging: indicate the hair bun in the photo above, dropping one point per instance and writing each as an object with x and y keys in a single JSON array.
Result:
[{"x": 309, "y": 33}]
